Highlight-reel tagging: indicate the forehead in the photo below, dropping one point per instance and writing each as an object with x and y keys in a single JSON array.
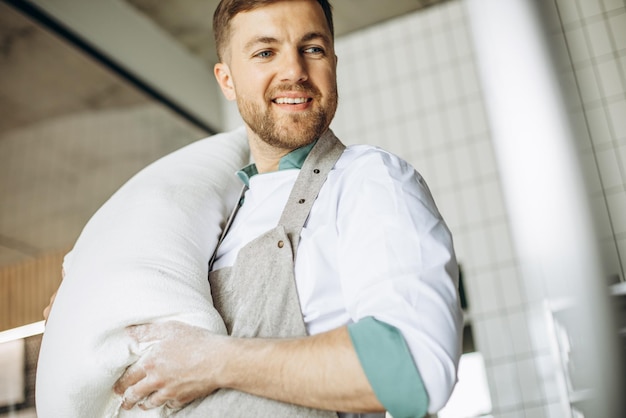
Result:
[{"x": 287, "y": 18}]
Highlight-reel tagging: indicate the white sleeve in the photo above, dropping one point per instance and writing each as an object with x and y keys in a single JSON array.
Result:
[{"x": 398, "y": 264}]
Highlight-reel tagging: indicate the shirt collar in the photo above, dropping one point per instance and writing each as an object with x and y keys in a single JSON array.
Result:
[{"x": 293, "y": 160}]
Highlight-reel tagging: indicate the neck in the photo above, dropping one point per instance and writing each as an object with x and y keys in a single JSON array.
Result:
[{"x": 265, "y": 156}]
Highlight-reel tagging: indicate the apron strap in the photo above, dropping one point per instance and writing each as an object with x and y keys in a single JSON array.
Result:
[
  {"x": 227, "y": 226},
  {"x": 312, "y": 176}
]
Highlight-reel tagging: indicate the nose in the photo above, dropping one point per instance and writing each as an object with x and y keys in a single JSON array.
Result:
[{"x": 293, "y": 67}]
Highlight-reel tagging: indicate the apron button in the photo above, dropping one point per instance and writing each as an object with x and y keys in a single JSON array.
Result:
[
  {"x": 316, "y": 171},
  {"x": 281, "y": 244},
  {"x": 301, "y": 201}
]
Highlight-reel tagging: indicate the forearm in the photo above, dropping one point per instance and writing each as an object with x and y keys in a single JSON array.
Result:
[{"x": 321, "y": 371}]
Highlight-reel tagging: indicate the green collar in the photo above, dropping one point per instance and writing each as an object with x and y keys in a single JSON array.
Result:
[{"x": 294, "y": 159}]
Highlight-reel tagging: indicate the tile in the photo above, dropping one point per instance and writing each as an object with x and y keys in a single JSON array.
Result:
[
  {"x": 494, "y": 200},
  {"x": 601, "y": 215},
  {"x": 610, "y": 78},
  {"x": 434, "y": 126},
  {"x": 486, "y": 158},
  {"x": 502, "y": 242},
  {"x": 510, "y": 282},
  {"x": 488, "y": 289},
  {"x": 470, "y": 83},
  {"x": 550, "y": 375},
  {"x": 505, "y": 386},
  {"x": 531, "y": 387},
  {"x": 610, "y": 257},
  {"x": 464, "y": 163},
  {"x": 455, "y": 11},
  {"x": 590, "y": 171},
  {"x": 517, "y": 413},
  {"x": 587, "y": 82},
  {"x": 480, "y": 332},
  {"x": 402, "y": 62},
  {"x": 540, "y": 331},
  {"x": 598, "y": 125},
  {"x": 535, "y": 411},
  {"x": 617, "y": 209},
  {"x": 560, "y": 50},
  {"x": 499, "y": 337},
  {"x": 449, "y": 207},
  {"x": 447, "y": 169},
  {"x": 617, "y": 24},
  {"x": 621, "y": 151},
  {"x": 577, "y": 44},
  {"x": 617, "y": 114},
  {"x": 589, "y": 8},
  {"x": 448, "y": 81},
  {"x": 441, "y": 44},
  {"x": 611, "y": 5},
  {"x": 387, "y": 105},
  {"x": 599, "y": 42},
  {"x": 557, "y": 410},
  {"x": 568, "y": 11},
  {"x": 473, "y": 205},
  {"x": 457, "y": 123},
  {"x": 580, "y": 129},
  {"x": 462, "y": 41},
  {"x": 428, "y": 90},
  {"x": 551, "y": 16},
  {"x": 621, "y": 245},
  {"x": 420, "y": 54},
  {"x": 608, "y": 165},
  {"x": 479, "y": 251},
  {"x": 569, "y": 83},
  {"x": 520, "y": 334}
]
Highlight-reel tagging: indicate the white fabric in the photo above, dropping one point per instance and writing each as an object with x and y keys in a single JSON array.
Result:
[
  {"x": 142, "y": 257},
  {"x": 376, "y": 215}
]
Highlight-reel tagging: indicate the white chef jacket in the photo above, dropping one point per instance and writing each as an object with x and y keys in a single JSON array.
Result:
[{"x": 374, "y": 245}]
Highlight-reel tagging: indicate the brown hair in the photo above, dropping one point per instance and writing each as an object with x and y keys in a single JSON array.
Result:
[{"x": 228, "y": 9}]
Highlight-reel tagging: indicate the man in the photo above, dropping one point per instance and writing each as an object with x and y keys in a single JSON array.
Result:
[{"x": 375, "y": 273}]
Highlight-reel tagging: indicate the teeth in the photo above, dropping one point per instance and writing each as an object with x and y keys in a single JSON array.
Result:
[{"x": 291, "y": 100}]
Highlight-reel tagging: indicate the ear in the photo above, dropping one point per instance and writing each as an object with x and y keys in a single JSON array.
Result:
[{"x": 225, "y": 80}]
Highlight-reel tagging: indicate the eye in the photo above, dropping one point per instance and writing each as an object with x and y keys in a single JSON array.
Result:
[
  {"x": 314, "y": 50},
  {"x": 264, "y": 54}
]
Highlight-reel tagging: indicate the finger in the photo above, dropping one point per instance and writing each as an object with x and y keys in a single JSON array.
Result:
[
  {"x": 131, "y": 376},
  {"x": 138, "y": 394},
  {"x": 46, "y": 311},
  {"x": 140, "y": 333},
  {"x": 153, "y": 331},
  {"x": 155, "y": 400}
]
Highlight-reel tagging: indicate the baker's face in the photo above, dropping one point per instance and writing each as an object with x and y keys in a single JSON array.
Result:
[{"x": 280, "y": 67}]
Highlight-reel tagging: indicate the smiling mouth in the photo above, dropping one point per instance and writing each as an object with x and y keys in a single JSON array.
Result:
[{"x": 292, "y": 100}]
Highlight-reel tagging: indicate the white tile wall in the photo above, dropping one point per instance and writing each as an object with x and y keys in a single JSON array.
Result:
[
  {"x": 410, "y": 86},
  {"x": 595, "y": 34}
]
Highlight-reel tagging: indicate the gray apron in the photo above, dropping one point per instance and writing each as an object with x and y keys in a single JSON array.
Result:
[{"x": 257, "y": 296}]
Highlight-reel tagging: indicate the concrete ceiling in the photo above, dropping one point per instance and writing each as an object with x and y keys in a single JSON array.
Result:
[
  {"x": 190, "y": 21},
  {"x": 43, "y": 77},
  {"x": 72, "y": 81}
]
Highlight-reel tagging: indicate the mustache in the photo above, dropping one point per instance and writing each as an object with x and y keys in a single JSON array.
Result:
[{"x": 304, "y": 87}]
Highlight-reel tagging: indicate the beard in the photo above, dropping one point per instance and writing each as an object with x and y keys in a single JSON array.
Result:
[{"x": 289, "y": 131}]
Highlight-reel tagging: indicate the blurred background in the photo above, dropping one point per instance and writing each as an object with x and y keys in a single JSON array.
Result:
[{"x": 513, "y": 110}]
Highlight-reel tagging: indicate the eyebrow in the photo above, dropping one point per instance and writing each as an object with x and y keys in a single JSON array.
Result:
[{"x": 267, "y": 40}]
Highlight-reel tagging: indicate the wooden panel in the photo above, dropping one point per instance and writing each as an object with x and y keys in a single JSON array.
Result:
[{"x": 26, "y": 287}]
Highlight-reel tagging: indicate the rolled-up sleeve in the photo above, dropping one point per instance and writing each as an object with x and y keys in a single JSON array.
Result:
[{"x": 398, "y": 266}]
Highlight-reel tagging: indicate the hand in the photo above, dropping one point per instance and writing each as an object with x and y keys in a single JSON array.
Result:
[
  {"x": 46, "y": 310},
  {"x": 180, "y": 365}
]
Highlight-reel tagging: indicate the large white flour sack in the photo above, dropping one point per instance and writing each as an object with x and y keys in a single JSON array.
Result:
[{"x": 143, "y": 257}]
